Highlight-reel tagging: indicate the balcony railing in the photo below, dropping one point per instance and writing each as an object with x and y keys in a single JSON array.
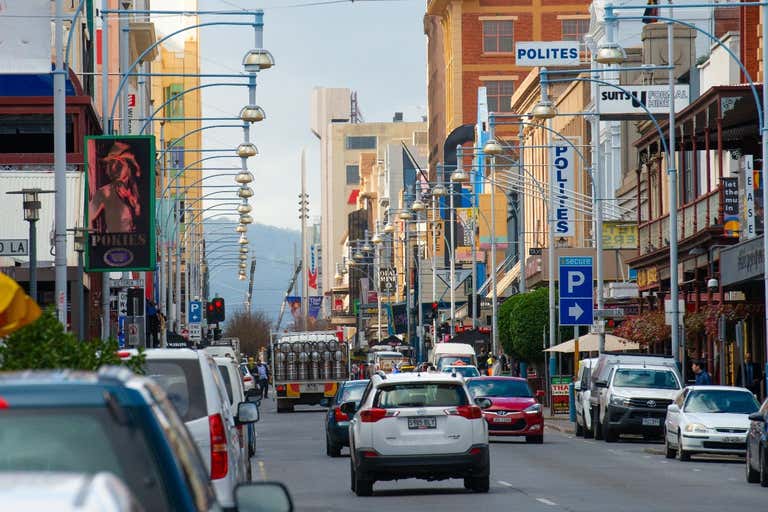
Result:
[{"x": 692, "y": 218}]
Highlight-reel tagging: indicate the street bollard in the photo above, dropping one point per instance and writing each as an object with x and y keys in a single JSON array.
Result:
[{"x": 571, "y": 403}]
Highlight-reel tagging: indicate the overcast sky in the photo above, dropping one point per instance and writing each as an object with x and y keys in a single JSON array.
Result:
[{"x": 377, "y": 48}]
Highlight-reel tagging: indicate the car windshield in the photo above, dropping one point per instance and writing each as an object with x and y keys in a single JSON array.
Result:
[
  {"x": 643, "y": 378},
  {"x": 420, "y": 394},
  {"x": 499, "y": 388},
  {"x": 464, "y": 371},
  {"x": 182, "y": 381},
  {"x": 82, "y": 440},
  {"x": 352, "y": 392},
  {"x": 721, "y": 401},
  {"x": 452, "y": 360},
  {"x": 227, "y": 383}
]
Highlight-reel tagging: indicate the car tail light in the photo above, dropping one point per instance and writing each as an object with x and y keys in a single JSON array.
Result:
[
  {"x": 123, "y": 354},
  {"x": 340, "y": 416},
  {"x": 219, "y": 462},
  {"x": 3, "y": 403},
  {"x": 471, "y": 412},
  {"x": 247, "y": 378},
  {"x": 280, "y": 388},
  {"x": 374, "y": 415},
  {"x": 369, "y": 453},
  {"x": 475, "y": 451}
]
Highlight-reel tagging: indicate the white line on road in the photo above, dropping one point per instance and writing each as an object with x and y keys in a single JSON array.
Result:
[
  {"x": 505, "y": 484},
  {"x": 262, "y": 470},
  {"x": 546, "y": 502}
]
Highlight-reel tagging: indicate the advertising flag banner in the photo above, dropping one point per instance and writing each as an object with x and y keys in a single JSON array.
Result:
[
  {"x": 564, "y": 175},
  {"x": 120, "y": 203},
  {"x": 731, "y": 217},
  {"x": 619, "y": 235},
  {"x": 294, "y": 303},
  {"x": 315, "y": 303}
]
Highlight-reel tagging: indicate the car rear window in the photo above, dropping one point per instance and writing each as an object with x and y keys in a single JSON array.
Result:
[
  {"x": 352, "y": 392},
  {"x": 83, "y": 440},
  {"x": 420, "y": 394},
  {"x": 452, "y": 360},
  {"x": 499, "y": 388},
  {"x": 227, "y": 383},
  {"x": 182, "y": 381}
]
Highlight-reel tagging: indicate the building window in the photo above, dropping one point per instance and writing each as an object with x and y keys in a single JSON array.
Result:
[
  {"x": 174, "y": 108},
  {"x": 574, "y": 30},
  {"x": 498, "y": 36},
  {"x": 353, "y": 175},
  {"x": 32, "y": 133},
  {"x": 176, "y": 156},
  {"x": 361, "y": 142},
  {"x": 499, "y": 94}
]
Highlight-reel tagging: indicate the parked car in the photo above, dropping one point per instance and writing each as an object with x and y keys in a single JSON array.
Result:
[
  {"x": 411, "y": 425},
  {"x": 757, "y": 447},
  {"x": 337, "y": 422},
  {"x": 111, "y": 421},
  {"x": 513, "y": 411},
  {"x": 194, "y": 385},
  {"x": 249, "y": 382},
  {"x": 66, "y": 492},
  {"x": 708, "y": 419},
  {"x": 630, "y": 394},
  {"x": 230, "y": 375},
  {"x": 465, "y": 371},
  {"x": 582, "y": 394}
]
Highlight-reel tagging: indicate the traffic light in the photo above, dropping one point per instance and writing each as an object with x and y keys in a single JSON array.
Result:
[
  {"x": 214, "y": 311},
  {"x": 433, "y": 311},
  {"x": 210, "y": 313}
]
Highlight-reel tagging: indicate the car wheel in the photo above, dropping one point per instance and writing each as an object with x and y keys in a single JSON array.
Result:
[
  {"x": 609, "y": 434},
  {"x": 763, "y": 468},
  {"x": 579, "y": 429},
  {"x": 669, "y": 452},
  {"x": 480, "y": 483},
  {"x": 597, "y": 428},
  {"x": 363, "y": 487},
  {"x": 331, "y": 449},
  {"x": 468, "y": 484},
  {"x": 753, "y": 476},
  {"x": 535, "y": 439},
  {"x": 682, "y": 455}
]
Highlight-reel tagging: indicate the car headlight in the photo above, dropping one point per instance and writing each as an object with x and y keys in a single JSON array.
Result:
[
  {"x": 533, "y": 409},
  {"x": 696, "y": 428},
  {"x": 621, "y": 401}
]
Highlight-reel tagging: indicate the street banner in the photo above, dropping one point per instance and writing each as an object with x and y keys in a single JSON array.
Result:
[
  {"x": 315, "y": 303},
  {"x": 617, "y": 104},
  {"x": 387, "y": 280},
  {"x": 294, "y": 303},
  {"x": 484, "y": 227},
  {"x": 466, "y": 226},
  {"x": 120, "y": 205},
  {"x": 619, "y": 235},
  {"x": 564, "y": 175},
  {"x": 398, "y": 318},
  {"x": 749, "y": 217},
  {"x": 731, "y": 217},
  {"x": 560, "y": 398},
  {"x": 312, "y": 270},
  {"x": 25, "y": 37}
]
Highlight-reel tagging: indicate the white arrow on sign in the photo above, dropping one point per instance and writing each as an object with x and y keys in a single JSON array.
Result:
[{"x": 575, "y": 311}]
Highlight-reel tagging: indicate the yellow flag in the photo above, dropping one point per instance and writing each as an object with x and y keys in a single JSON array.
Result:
[{"x": 17, "y": 309}]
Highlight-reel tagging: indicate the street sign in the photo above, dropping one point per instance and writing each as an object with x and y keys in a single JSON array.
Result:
[
  {"x": 126, "y": 283},
  {"x": 535, "y": 251},
  {"x": 122, "y": 304},
  {"x": 598, "y": 327},
  {"x": 547, "y": 53},
  {"x": 388, "y": 279},
  {"x": 195, "y": 312},
  {"x": 609, "y": 313},
  {"x": 195, "y": 332},
  {"x": 14, "y": 247},
  {"x": 576, "y": 290},
  {"x": 565, "y": 183}
]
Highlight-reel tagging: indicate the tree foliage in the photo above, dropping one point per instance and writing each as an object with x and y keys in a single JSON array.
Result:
[
  {"x": 522, "y": 320},
  {"x": 251, "y": 328},
  {"x": 44, "y": 345}
]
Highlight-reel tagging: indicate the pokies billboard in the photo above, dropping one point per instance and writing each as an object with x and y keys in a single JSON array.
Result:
[{"x": 120, "y": 203}]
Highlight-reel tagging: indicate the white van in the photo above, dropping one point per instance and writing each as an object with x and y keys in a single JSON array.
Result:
[{"x": 447, "y": 354}]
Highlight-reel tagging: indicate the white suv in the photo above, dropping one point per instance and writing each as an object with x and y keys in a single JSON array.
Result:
[{"x": 417, "y": 425}]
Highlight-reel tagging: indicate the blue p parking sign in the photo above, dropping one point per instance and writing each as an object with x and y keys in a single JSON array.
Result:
[
  {"x": 195, "y": 312},
  {"x": 576, "y": 290}
]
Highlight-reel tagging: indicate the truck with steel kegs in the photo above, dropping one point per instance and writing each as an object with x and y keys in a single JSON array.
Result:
[{"x": 307, "y": 367}]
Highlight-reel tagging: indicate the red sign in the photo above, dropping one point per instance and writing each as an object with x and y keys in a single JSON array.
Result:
[{"x": 131, "y": 100}]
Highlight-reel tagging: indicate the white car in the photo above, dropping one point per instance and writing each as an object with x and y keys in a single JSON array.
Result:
[
  {"x": 411, "y": 425},
  {"x": 708, "y": 419},
  {"x": 194, "y": 385},
  {"x": 582, "y": 394},
  {"x": 249, "y": 382},
  {"x": 230, "y": 375}
]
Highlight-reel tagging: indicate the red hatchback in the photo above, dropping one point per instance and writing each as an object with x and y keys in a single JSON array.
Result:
[{"x": 514, "y": 410}]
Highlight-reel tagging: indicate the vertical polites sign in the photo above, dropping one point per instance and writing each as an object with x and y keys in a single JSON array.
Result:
[{"x": 120, "y": 202}]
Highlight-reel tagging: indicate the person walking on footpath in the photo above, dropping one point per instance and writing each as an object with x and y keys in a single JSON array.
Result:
[
  {"x": 263, "y": 374},
  {"x": 702, "y": 376}
]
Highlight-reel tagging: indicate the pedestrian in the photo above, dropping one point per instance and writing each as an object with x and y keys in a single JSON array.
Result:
[
  {"x": 153, "y": 325},
  {"x": 504, "y": 363},
  {"x": 702, "y": 376},
  {"x": 263, "y": 372},
  {"x": 482, "y": 362},
  {"x": 752, "y": 375}
]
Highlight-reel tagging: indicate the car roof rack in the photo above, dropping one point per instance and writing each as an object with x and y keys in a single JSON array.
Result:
[{"x": 381, "y": 374}]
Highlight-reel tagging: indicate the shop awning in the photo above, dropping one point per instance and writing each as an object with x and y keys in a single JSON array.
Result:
[{"x": 589, "y": 343}]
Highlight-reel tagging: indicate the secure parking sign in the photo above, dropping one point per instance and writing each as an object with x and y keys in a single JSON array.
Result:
[
  {"x": 195, "y": 312},
  {"x": 576, "y": 291}
]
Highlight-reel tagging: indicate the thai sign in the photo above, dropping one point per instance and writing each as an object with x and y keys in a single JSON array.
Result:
[{"x": 560, "y": 401}]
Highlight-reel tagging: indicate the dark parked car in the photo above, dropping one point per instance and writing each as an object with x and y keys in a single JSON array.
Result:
[
  {"x": 336, "y": 422},
  {"x": 110, "y": 421},
  {"x": 757, "y": 447}
]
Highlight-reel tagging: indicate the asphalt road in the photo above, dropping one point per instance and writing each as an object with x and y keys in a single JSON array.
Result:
[{"x": 565, "y": 473}]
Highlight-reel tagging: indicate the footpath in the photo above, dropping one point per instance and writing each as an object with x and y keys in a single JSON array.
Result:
[{"x": 558, "y": 422}]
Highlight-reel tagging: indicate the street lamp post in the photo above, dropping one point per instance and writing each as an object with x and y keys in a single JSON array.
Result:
[
  {"x": 79, "y": 242},
  {"x": 31, "y": 206}
]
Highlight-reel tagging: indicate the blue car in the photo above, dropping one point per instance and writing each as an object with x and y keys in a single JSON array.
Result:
[
  {"x": 757, "y": 447},
  {"x": 113, "y": 421},
  {"x": 336, "y": 422}
]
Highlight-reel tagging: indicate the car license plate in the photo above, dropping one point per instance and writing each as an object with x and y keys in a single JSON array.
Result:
[
  {"x": 651, "y": 422},
  {"x": 502, "y": 420},
  {"x": 732, "y": 440},
  {"x": 422, "y": 422}
]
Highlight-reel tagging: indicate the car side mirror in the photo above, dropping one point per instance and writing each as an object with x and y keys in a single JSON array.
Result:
[
  {"x": 577, "y": 386},
  {"x": 263, "y": 497},
  {"x": 483, "y": 403},
  {"x": 756, "y": 416},
  {"x": 325, "y": 402},
  {"x": 673, "y": 408},
  {"x": 247, "y": 412},
  {"x": 348, "y": 408},
  {"x": 601, "y": 384}
]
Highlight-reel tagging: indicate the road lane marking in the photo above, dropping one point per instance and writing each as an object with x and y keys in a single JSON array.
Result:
[
  {"x": 262, "y": 470},
  {"x": 546, "y": 502},
  {"x": 505, "y": 484},
  {"x": 696, "y": 469}
]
